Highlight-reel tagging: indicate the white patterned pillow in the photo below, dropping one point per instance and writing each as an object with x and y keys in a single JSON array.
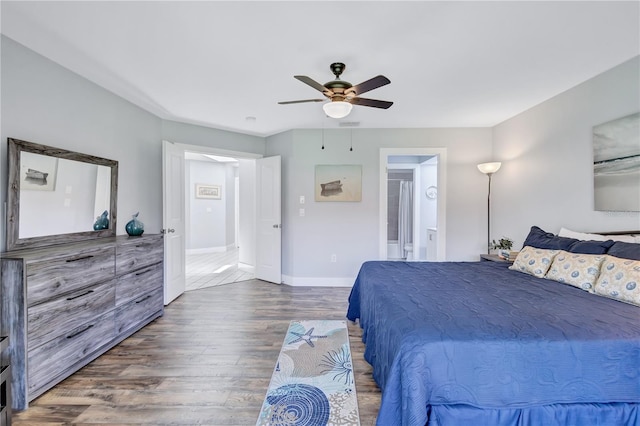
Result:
[
  {"x": 577, "y": 269},
  {"x": 534, "y": 261},
  {"x": 619, "y": 279}
]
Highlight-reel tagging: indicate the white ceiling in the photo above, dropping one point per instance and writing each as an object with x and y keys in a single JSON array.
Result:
[{"x": 451, "y": 64}]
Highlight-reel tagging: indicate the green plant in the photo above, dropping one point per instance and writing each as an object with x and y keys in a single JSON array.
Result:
[{"x": 503, "y": 243}]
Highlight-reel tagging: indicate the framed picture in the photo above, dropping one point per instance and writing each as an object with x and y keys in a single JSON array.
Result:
[
  {"x": 38, "y": 172},
  {"x": 338, "y": 183},
  {"x": 212, "y": 192},
  {"x": 616, "y": 165}
]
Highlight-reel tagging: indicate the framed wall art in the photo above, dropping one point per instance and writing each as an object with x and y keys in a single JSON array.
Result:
[
  {"x": 338, "y": 183},
  {"x": 616, "y": 164},
  {"x": 212, "y": 192}
]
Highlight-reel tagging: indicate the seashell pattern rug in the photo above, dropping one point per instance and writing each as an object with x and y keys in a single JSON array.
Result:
[{"x": 312, "y": 383}]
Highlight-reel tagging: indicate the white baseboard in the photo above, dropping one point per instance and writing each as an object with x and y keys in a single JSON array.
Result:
[
  {"x": 318, "y": 282},
  {"x": 219, "y": 249},
  {"x": 246, "y": 267}
]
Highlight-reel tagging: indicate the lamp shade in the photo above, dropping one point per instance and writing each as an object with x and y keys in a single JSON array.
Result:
[
  {"x": 337, "y": 109},
  {"x": 489, "y": 168}
]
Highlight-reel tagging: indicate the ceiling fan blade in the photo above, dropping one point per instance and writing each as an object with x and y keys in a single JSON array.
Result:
[
  {"x": 311, "y": 82},
  {"x": 370, "y": 103},
  {"x": 370, "y": 84},
  {"x": 301, "y": 101}
]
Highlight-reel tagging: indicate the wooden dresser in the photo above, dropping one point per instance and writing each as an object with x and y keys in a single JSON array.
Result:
[{"x": 64, "y": 305}]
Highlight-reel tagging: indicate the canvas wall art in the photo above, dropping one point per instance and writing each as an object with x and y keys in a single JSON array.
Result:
[
  {"x": 338, "y": 183},
  {"x": 616, "y": 164},
  {"x": 38, "y": 172}
]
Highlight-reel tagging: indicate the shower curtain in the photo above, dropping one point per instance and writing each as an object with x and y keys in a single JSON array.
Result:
[{"x": 405, "y": 216}]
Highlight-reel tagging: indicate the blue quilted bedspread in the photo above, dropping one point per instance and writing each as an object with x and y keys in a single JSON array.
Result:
[{"x": 464, "y": 336}]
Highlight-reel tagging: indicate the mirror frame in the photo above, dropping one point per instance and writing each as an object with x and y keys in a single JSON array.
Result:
[{"x": 14, "y": 242}]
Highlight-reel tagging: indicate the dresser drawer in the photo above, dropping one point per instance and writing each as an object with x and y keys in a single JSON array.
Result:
[
  {"x": 48, "y": 362},
  {"x": 138, "y": 252},
  {"x": 57, "y": 316},
  {"x": 139, "y": 311},
  {"x": 132, "y": 285},
  {"x": 53, "y": 277}
]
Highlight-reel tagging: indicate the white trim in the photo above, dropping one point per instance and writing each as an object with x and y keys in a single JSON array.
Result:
[
  {"x": 246, "y": 267},
  {"x": 441, "y": 153},
  {"x": 218, "y": 249},
  {"x": 318, "y": 282}
]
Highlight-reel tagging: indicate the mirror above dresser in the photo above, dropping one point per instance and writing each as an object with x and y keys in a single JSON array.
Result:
[{"x": 56, "y": 196}]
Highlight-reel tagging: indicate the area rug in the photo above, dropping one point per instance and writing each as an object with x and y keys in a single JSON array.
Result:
[{"x": 312, "y": 383}]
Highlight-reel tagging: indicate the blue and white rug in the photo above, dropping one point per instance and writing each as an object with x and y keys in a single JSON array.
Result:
[{"x": 312, "y": 383}]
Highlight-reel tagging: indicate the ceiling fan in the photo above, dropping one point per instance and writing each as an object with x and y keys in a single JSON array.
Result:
[{"x": 342, "y": 94}]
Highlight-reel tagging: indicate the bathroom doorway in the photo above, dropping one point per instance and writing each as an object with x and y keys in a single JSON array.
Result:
[{"x": 412, "y": 209}]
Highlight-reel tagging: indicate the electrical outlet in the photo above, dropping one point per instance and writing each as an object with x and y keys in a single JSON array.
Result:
[{"x": 334, "y": 258}]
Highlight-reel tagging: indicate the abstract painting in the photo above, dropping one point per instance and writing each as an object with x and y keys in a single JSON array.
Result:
[{"x": 616, "y": 164}]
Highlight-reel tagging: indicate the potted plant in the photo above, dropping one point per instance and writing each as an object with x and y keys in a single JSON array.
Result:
[{"x": 503, "y": 243}]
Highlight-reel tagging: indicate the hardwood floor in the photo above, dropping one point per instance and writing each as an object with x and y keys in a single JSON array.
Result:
[
  {"x": 208, "y": 269},
  {"x": 207, "y": 361}
]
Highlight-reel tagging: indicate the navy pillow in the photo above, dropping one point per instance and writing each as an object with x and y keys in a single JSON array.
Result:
[
  {"x": 625, "y": 250},
  {"x": 538, "y": 238},
  {"x": 591, "y": 247}
]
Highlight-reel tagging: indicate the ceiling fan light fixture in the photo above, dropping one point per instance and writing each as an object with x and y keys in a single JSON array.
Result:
[{"x": 337, "y": 109}]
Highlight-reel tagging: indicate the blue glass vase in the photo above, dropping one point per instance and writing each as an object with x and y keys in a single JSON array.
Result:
[
  {"x": 134, "y": 227},
  {"x": 102, "y": 222}
]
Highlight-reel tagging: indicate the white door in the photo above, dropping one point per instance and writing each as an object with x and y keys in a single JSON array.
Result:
[
  {"x": 173, "y": 220},
  {"x": 269, "y": 225}
]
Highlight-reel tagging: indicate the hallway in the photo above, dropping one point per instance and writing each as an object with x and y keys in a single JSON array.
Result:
[{"x": 211, "y": 269}]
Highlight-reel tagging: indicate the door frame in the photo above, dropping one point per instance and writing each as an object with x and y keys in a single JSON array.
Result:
[
  {"x": 441, "y": 220},
  {"x": 207, "y": 150}
]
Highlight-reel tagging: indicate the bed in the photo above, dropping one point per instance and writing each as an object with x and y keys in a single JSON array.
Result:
[{"x": 478, "y": 343}]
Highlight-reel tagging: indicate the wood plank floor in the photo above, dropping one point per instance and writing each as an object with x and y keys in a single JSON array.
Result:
[
  {"x": 207, "y": 361},
  {"x": 208, "y": 269}
]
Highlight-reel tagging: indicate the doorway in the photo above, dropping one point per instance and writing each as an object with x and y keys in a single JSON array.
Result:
[
  {"x": 212, "y": 226},
  {"x": 178, "y": 192},
  {"x": 412, "y": 204}
]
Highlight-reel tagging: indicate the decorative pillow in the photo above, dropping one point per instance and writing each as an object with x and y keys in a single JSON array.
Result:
[
  {"x": 564, "y": 232},
  {"x": 534, "y": 261},
  {"x": 591, "y": 247},
  {"x": 546, "y": 240},
  {"x": 576, "y": 269},
  {"x": 625, "y": 250},
  {"x": 619, "y": 279}
]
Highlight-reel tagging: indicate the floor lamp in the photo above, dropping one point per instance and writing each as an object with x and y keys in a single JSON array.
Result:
[{"x": 489, "y": 169}]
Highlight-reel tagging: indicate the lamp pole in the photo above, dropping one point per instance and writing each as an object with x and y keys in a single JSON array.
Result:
[
  {"x": 489, "y": 215},
  {"x": 489, "y": 169}
]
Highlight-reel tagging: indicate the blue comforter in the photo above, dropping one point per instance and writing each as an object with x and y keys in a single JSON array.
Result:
[{"x": 450, "y": 340}]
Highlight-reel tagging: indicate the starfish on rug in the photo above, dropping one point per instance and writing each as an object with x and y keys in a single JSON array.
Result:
[{"x": 306, "y": 337}]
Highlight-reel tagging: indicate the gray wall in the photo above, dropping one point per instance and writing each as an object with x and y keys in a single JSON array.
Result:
[
  {"x": 546, "y": 177},
  {"x": 45, "y": 103},
  {"x": 350, "y": 230},
  {"x": 207, "y": 218}
]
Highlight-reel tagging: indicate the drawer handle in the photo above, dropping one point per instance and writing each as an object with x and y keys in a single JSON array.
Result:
[
  {"x": 144, "y": 298},
  {"x": 80, "y": 258},
  {"x": 71, "y": 336},
  {"x": 80, "y": 295},
  {"x": 146, "y": 271}
]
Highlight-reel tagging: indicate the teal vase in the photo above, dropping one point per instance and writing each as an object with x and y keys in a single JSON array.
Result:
[
  {"x": 102, "y": 222},
  {"x": 134, "y": 227}
]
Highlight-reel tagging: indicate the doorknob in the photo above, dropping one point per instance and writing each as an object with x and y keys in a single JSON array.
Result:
[
  {"x": 168, "y": 231},
  {"x": 277, "y": 225}
]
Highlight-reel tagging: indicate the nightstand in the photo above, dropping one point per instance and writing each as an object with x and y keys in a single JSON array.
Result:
[{"x": 492, "y": 258}]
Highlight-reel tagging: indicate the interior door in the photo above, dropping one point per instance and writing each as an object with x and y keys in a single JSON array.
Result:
[
  {"x": 269, "y": 220},
  {"x": 173, "y": 220}
]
